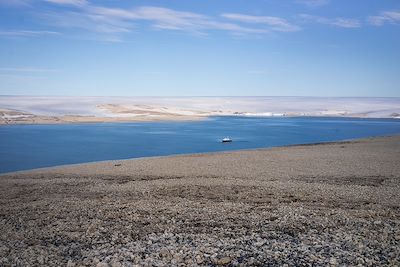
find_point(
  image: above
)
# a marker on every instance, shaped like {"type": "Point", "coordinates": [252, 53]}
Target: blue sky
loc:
{"type": "Point", "coordinates": [200, 48]}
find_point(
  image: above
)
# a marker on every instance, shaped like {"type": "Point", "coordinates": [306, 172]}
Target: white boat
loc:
{"type": "Point", "coordinates": [226, 140]}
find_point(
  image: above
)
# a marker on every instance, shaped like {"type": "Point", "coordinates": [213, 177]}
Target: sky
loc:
{"type": "Point", "coordinates": [200, 48]}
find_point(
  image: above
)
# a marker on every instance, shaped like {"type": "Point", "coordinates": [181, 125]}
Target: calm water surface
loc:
{"type": "Point", "coordinates": [32, 146]}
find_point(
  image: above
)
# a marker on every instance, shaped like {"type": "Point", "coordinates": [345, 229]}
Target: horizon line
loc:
{"type": "Point", "coordinates": [199, 96]}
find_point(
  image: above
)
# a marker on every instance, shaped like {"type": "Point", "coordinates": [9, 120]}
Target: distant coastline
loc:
{"type": "Point", "coordinates": [57, 110]}
{"type": "Point", "coordinates": [43, 120]}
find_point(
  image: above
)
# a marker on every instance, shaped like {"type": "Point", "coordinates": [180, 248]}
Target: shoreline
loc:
{"type": "Point", "coordinates": [53, 110]}
{"type": "Point", "coordinates": [99, 120]}
{"type": "Point", "coordinates": [93, 120]}
{"type": "Point", "coordinates": [341, 142]}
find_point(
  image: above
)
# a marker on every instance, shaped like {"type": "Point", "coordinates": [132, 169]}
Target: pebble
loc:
{"type": "Point", "coordinates": [102, 264]}
{"type": "Point", "coordinates": [165, 253]}
{"type": "Point", "coordinates": [199, 259]}
{"type": "Point", "coordinates": [333, 261]}
{"type": "Point", "coordinates": [115, 263]}
{"type": "Point", "coordinates": [223, 261]}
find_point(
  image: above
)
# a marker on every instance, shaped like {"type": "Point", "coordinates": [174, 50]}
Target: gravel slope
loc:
{"type": "Point", "coordinates": [325, 204]}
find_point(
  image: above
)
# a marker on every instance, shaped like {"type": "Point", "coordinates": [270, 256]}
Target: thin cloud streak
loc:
{"type": "Point", "coordinates": [117, 20]}
{"type": "Point", "coordinates": [69, 2]}
{"type": "Point", "coordinates": [26, 33]}
{"type": "Point", "coordinates": [114, 23]}
{"type": "Point", "coordinates": [338, 22]}
{"type": "Point", "coordinates": [169, 19]}
{"type": "Point", "coordinates": [273, 23]}
{"type": "Point", "coordinates": [391, 17]}
{"type": "Point", "coordinates": [346, 23]}
{"type": "Point", "coordinates": [88, 22]}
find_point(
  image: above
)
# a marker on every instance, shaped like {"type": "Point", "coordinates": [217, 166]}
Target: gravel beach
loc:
{"type": "Point", "coordinates": [331, 204]}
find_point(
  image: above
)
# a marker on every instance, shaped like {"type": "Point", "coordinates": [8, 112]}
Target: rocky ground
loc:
{"type": "Point", "coordinates": [328, 204]}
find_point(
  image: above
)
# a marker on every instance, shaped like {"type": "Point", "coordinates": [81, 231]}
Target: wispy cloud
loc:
{"type": "Point", "coordinates": [272, 23]}
{"type": "Point", "coordinates": [69, 2]}
{"type": "Point", "coordinates": [26, 33]}
{"type": "Point", "coordinates": [168, 19]}
{"type": "Point", "coordinates": [338, 22]}
{"type": "Point", "coordinates": [313, 3]}
{"type": "Point", "coordinates": [111, 20]}
{"type": "Point", "coordinates": [392, 17]}
{"type": "Point", "coordinates": [89, 22]}
{"type": "Point", "coordinates": [346, 23]}
{"type": "Point", "coordinates": [114, 23]}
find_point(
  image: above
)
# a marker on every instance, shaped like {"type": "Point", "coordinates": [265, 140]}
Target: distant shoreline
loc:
{"type": "Point", "coordinates": [52, 120]}
{"type": "Point", "coordinates": [58, 110]}
{"type": "Point", "coordinates": [93, 120]}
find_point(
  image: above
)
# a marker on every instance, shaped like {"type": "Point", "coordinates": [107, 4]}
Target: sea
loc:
{"type": "Point", "coordinates": [24, 147]}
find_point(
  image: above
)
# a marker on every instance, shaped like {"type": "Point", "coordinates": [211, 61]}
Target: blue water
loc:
{"type": "Point", "coordinates": [32, 146]}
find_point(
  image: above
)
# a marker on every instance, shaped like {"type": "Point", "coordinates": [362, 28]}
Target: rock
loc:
{"type": "Point", "coordinates": [333, 261]}
{"type": "Point", "coordinates": [95, 261]}
{"type": "Point", "coordinates": [70, 263]}
{"type": "Point", "coordinates": [4, 251]}
{"type": "Point", "coordinates": [177, 259]}
{"type": "Point", "coordinates": [259, 243]}
{"type": "Point", "coordinates": [91, 229]}
{"type": "Point", "coordinates": [223, 261]}
{"type": "Point", "coordinates": [189, 261]}
{"type": "Point", "coordinates": [41, 260]}
{"type": "Point", "coordinates": [273, 218]}
{"type": "Point", "coordinates": [102, 264]}
{"type": "Point", "coordinates": [116, 263]}
{"type": "Point", "coordinates": [164, 253]}
{"type": "Point", "coordinates": [199, 259]}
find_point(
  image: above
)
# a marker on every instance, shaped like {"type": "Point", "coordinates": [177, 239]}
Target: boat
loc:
{"type": "Point", "coordinates": [226, 140]}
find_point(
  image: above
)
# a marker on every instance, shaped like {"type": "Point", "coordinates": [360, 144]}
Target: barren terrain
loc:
{"type": "Point", "coordinates": [325, 204]}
